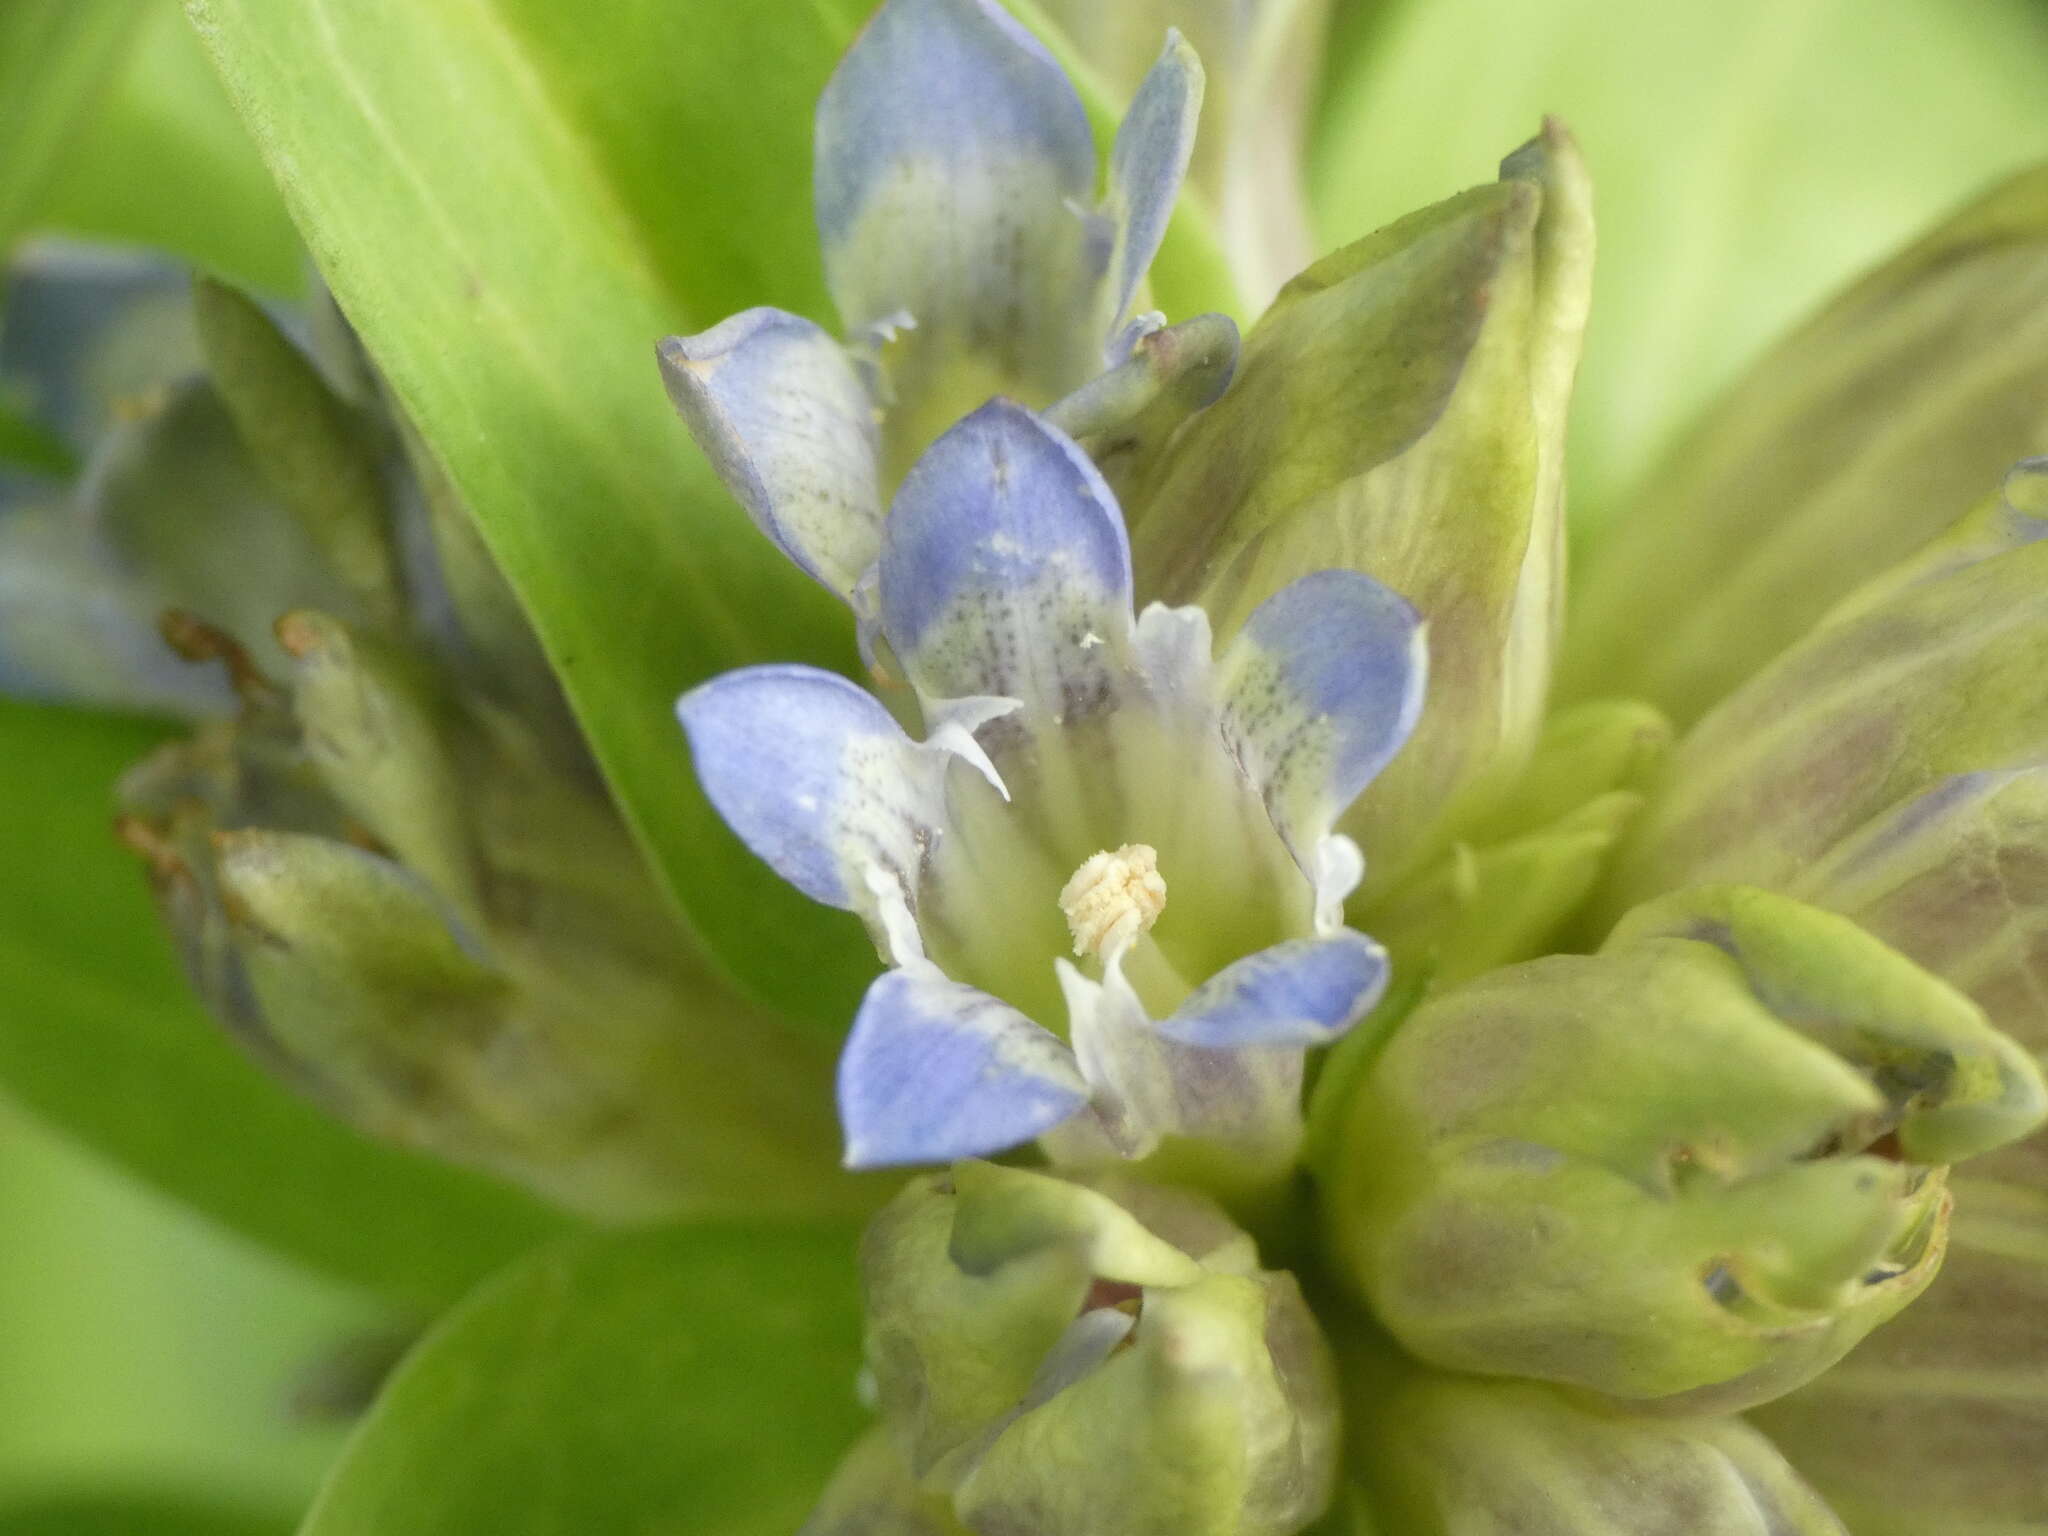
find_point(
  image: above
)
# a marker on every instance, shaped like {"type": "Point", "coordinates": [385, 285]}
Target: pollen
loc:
{"type": "Point", "coordinates": [1113, 898]}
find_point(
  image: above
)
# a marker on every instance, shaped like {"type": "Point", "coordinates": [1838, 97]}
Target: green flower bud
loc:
{"type": "Point", "coordinates": [1124, 417]}
{"type": "Point", "coordinates": [1399, 410]}
{"type": "Point", "coordinates": [406, 908]}
{"type": "Point", "coordinates": [1692, 1170]}
{"type": "Point", "coordinates": [1502, 892]}
{"type": "Point", "coordinates": [1935, 1423]}
{"type": "Point", "coordinates": [335, 944]}
{"type": "Point", "coordinates": [1447, 1455]}
{"type": "Point", "coordinates": [394, 875]}
{"type": "Point", "coordinates": [1860, 436]}
{"type": "Point", "coordinates": [311, 447]}
{"type": "Point", "coordinates": [374, 731]}
{"type": "Point", "coordinates": [1066, 1357]}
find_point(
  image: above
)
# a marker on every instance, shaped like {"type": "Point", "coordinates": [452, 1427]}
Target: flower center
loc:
{"type": "Point", "coordinates": [1113, 898]}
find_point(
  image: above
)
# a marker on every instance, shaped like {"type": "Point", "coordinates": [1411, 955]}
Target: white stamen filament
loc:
{"type": "Point", "coordinates": [1114, 898]}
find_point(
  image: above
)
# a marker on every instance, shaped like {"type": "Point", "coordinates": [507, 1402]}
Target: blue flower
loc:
{"type": "Point", "coordinates": [968, 258]}
{"type": "Point", "coordinates": [1105, 880]}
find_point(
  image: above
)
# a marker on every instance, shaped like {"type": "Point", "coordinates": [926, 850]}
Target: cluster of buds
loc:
{"type": "Point", "coordinates": [1600, 1070]}
{"type": "Point", "coordinates": [1690, 1171]}
{"type": "Point", "coordinates": [1574, 1211]}
{"type": "Point", "coordinates": [387, 862]}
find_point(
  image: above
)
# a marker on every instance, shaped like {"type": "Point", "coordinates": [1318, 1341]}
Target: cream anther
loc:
{"type": "Point", "coordinates": [1113, 898]}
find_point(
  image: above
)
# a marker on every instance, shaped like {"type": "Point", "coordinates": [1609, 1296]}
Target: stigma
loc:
{"type": "Point", "coordinates": [1114, 898]}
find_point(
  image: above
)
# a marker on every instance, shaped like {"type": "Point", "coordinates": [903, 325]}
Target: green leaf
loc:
{"type": "Point", "coordinates": [99, 1035]}
{"type": "Point", "coordinates": [1749, 156]}
{"type": "Point", "coordinates": [162, 161]}
{"type": "Point", "coordinates": [695, 1381]}
{"type": "Point", "coordinates": [113, 1514]}
{"type": "Point", "coordinates": [56, 58]}
{"type": "Point", "coordinates": [512, 202]}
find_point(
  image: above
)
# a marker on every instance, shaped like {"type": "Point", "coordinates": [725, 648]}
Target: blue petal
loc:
{"type": "Point", "coordinates": [1005, 569]}
{"type": "Point", "coordinates": [935, 1071]}
{"type": "Point", "coordinates": [1153, 146]}
{"type": "Point", "coordinates": [952, 161]}
{"type": "Point", "coordinates": [1320, 690]}
{"type": "Point", "coordinates": [816, 778]}
{"type": "Point", "coordinates": [776, 405]}
{"type": "Point", "coordinates": [1304, 992]}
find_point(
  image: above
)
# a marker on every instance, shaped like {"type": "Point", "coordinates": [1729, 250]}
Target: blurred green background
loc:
{"type": "Point", "coordinates": [1750, 155]}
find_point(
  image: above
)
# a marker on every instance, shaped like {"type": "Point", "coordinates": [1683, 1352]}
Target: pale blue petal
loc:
{"type": "Point", "coordinates": [817, 778]}
{"type": "Point", "coordinates": [934, 1071]}
{"type": "Point", "coordinates": [1304, 992]}
{"type": "Point", "coordinates": [1005, 569]}
{"type": "Point", "coordinates": [1320, 689]}
{"type": "Point", "coordinates": [1153, 146]}
{"type": "Point", "coordinates": [778, 408]}
{"type": "Point", "coordinates": [953, 162]}
{"type": "Point", "coordinates": [1149, 1086]}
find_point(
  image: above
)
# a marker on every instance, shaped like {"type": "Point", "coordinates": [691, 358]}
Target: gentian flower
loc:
{"type": "Point", "coordinates": [954, 176]}
{"type": "Point", "coordinates": [1091, 780]}
{"type": "Point", "coordinates": [1682, 1174]}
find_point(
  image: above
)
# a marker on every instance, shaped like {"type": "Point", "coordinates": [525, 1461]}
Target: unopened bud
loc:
{"type": "Point", "coordinates": [1066, 1359]}
{"type": "Point", "coordinates": [375, 729]}
{"type": "Point", "coordinates": [1692, 1170]}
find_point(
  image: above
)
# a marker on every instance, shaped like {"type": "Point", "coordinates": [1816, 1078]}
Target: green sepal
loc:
{"type": "Point", "coordinates": [1481, 907]}
{"type": "Point", "coordinates": [1590, 750]}
{"type": "Point", "coordinates": [312, 449]}
{"type": "Point", "coordinates": [374, 729]}
{"type": "Point", "coordinates": [951, 1350]}
{"type": "Point", "coordinates": [303, 854]}
{"type": "Point", "coordinates": [186, 519]}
